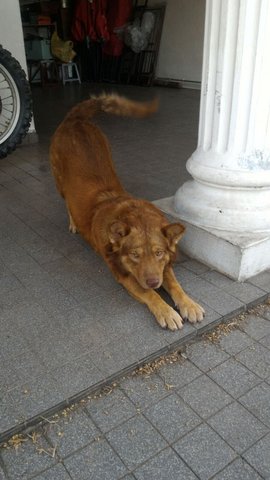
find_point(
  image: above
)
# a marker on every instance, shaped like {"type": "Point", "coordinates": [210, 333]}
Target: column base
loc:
{"type": "Point", "coordinates": [240, 256]}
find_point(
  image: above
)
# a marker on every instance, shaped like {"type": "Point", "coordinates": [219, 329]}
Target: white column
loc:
{"type": "Point", "coordinates": [227, 204]}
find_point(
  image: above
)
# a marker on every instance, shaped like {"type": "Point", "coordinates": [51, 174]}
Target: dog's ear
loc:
{"type": "Point", "coordinates": [117, 231]}
{"type": "Point", "coordinates": [173, 232]}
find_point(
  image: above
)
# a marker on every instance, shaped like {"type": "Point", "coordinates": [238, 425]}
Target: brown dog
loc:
{"type": "Point", "coordinates": [132, 235]}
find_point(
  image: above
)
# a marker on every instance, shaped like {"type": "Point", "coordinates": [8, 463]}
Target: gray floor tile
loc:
{"type": "Point", "coordinates": [204, 396]}
{"type": "Point", "coordinates": [164, 466]}
{"type": "Point", "coordinates": [38, 394]}
{"type": "Point", "coordinates": [204, 452]}
{"type": "Point", "coordinates": [144, 390]}
{"type": "Point", "coordinates": [71, 432]}
{"type": "Point", "coordinates": [238, 470]}
{"type": "Point", "coordinates": [27, 461]}
{"type": "Point", "coordinates": [196, 267]}
{"type": "Point", "coordinates": [56, 473]}
{"type": "Point", "coordinates": [257, 401]}
{"type": "Point", "coordinates": [257, 359]}
{"type": "Point", "coordinates": [217, 279]}
{"type": "Point", "coordinates": [95, 462]}
{"type": "Point", "coordinates": [210, 318]}
{"type": "Point", "coordinates": [216, 298]}
{"type": "Point", "coordinates": [266, 312]}
{"type": "Point", "coordinates": [136, 441]}
{"type": "Point", "coordinates": [172, 417]}
{"type": "Point", "coordinates": [10, 416]}
{"type": "Point", "coordinates": [262, 280]}
{"type": "Point", "coordinates": [2, 475]}
{"type": "Point", "coordinates": [238, 427]}
{"type": "Point", "coordinates": [265, 341]}
{"type": "Point", "coordinates": [110, 410]}
{"type": "Point", "coordinates": [255, 326]}
{"type": "Point", "coordinates": [178, 374]}
{"type": "Point", "coordinates": [234, 377]}
{"type": "Point", "coordinates": [77, 376]}
{"type": "Point", "coordinates": [258, 456]}
{"type": "Point", "coordinates": [205, 355]}
{"type": "Point", "coordinates": [235, 342]}
{"type": "Point", "coordinates": [245, 292]}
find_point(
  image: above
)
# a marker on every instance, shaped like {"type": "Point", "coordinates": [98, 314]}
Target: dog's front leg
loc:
{"type": "Point", "coordinates": [187, 307]}
{"type": "Point", "coordinates": [165, 315]}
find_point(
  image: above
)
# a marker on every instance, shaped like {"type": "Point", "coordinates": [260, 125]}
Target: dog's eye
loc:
{"type": "Point", "coordinates": [159, 253]}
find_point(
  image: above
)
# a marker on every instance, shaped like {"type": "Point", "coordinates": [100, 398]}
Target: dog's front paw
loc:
{"type": "Point", "coordinates": [190, 310]}
{"type": "Point", "coordinates": [167, 317]}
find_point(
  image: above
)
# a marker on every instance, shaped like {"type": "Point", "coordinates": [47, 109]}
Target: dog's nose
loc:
{"type": "Point", "coordinates": [152, 282]}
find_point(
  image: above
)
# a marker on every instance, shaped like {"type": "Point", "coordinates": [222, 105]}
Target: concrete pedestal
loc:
{"type": "Point", "coordinates": [227, 204]}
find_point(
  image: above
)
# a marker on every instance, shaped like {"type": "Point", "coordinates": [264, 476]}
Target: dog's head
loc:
{"type": "Point", "coordinates": [144, 252]}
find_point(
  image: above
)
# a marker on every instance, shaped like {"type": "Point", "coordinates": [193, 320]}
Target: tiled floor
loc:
{"type": "Point", "coordinates": [66, 326]}
{"type": "Point", "coordinates": [199, 413]}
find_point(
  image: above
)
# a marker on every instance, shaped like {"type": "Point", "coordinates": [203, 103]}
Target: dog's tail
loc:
{"type": "Point", "coordinates": [114, 104]}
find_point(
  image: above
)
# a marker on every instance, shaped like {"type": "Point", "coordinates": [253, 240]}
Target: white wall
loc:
{"type": "Point", "coordinates": [11, 34]}
{"type": "Point", "coordinates": [181, 48]}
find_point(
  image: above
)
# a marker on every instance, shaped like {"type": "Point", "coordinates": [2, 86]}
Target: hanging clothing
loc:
{"type": "Point", "coordinates": [90, 20]}
{"type": "Point", "coordinates": [118, 15]}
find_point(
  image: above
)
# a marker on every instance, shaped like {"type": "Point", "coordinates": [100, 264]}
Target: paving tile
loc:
{"type": "Point", "coordinates": [257, 359]}
{"type": "Point", "coordinates": [210, 318]}
{"type": "Point", "coordinates": [2, 475]}
{"type": "Point", "coordinates": [71, 432]}
{"type": "Point", "coordinates": [239, 470]}
{"type": "Point", "coordinates": [235, 341]}
{"type": "Point", "coordinates": [205, 355]}
{"type": "Point", "coordinates": [110, 410]}
{"type": "Point", "coordinates": [257, 401]}
{"type": "Point", "coordinates": [179, 373]}
{"type": "Point", "coordinates": [9, 378]}
{"type": "Point", "coordinates": [36, 395]}
{"type": "Point", "coordinates": [27, 461]}
{"type": "Point", "coordinates": [172, 417]}
{"type": "Point", "coordinates": [164, 466]}
{"type": "Point", "coordinates": [55, 473]}
{"type": "Point", "coordinates": [265, 341]}
{"type": "Point", "coordinates": [245, 292]}
{"type": "Point", "coordinates": [204, 396]}
{"type": "Point", "coordinates": [9, 415]}
{"type": "Point", "coordinates": [234, 377]}
{"type": "Point", "coordinates": [77, 376]}
{"type": "Point", "coordinates": [144, 391]}
{"type": "Point", "coordinates": [255, 326]}
{"type": "Point", "coordinates": [258, 456]}
{"type": "Point", "coordinates": [196, 267]}
{"type": "Point", "coordinates": [95, 462]}
{"type": "Point", "coordinates": [262, 280]}
{"type": "Point", "coordinates": [238, 427]}
{"type": "Point", "coordinates": [266, 312]}
{"type": "Point", "coordinates": [136, 441]}
{"type": "Point", "coordinates": [217, 279]}
{"type": "Point", "coordinates": [216, 298]}
{"type": "Point", "coordinates": [204, 452]}
{"type": "Point", "coordinates": [8, 283]}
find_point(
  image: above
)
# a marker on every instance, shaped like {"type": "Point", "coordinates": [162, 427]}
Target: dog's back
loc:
{"type": "Point", "coordinates": [80, 153]}
{"type": "Point", "coordinates": [81, 157]}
